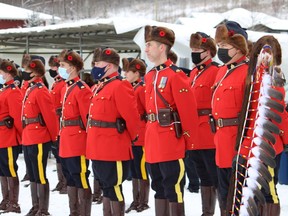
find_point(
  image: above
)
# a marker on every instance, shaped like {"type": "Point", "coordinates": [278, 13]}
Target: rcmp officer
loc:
{"type": "Point", "coordinates": [112, 125]}
{"type": "Point", "coordinates": [75, 101]}
{"type": "Point", "coordinates": [168, 97]}
{"type": "Point", "coordinates": [55, 92]}
{"type": "Point", "coordinates": [40, 129]}
{"type": "Point", "coordinates": [227, 99]}
{"type": "Point", "coordinates": [202, 78]}
{"type": "Point", "coordinates": [10, 137]}
{"type": "Point", "coordinates": [135, 70]}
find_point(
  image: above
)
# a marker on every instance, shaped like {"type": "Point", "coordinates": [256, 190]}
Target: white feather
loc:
{"type": "Point", "coordinates": [252, 183]}
{"type": "Point", "coordinates": [259, 131]}
{"type": "Point", "coordinates": [266, 79]}
{"type": "Point", "coordinates": [256, 151]}
{"type": "Point", "coordinates": [247, 193]}
{"type": "Point", "coordinates": [253, 173]}
{"type": "Point", "coordinates": [243, 210]}
{"type": "Point", "coordinates": [257, 140]}
{"type": "Point", "coordinates": [254, 162]}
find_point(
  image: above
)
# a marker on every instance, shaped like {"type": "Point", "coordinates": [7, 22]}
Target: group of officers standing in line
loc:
{"type": "Point", "coordinates": [125, 124]}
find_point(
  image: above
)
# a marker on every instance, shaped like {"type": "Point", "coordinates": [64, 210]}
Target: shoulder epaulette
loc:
{"type": "Point", "coordinates": [13, 86]}
{"type": "Point", "coordinates": [175, 68]}
{"type": "Point", "coordinates": [39, 85]}
{"type": "Point", "coordinates": [215, 64]}
{"type": "Point", "coordinates": [80, 85]}
{"type": "Point", "coordinates": [120, 78]}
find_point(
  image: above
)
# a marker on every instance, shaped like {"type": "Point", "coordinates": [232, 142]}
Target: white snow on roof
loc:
{"type": "Point", "coordinates": [9, 12]}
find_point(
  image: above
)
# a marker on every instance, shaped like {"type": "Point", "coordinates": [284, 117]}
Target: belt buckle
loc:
{"type": "Point", "coordinates": [152, 117]}
{"type": "Point", "coordinates": [89, 122]}
{"type": "Point", "coordinates": [63, 123]}
{"type": "Point", "coordinates": [220, 122]}
{"type": "Point", "coordinates": [26, 121]}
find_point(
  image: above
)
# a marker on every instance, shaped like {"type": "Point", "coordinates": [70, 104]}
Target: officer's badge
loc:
{"type": "Point", "coordinates": [163, 82]}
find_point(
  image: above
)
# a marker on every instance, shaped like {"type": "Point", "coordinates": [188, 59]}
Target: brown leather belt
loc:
{"type": "Point", "coordinates": [27, 121]}
{"type": "Point", "coordinates": [227, 122]}
{"type": "Point", "coordinates": [101, 124]}
{"type": "Point", "coordinates": [203, 112]}
{"type": "Point", "coordinates": [59, 111]}
{"type": "Point", "coordinates": [74, 122]}
{"type": "Point", "coordinates": [151, 117]}
{"type": "Point", "coordinates": [144, 117]}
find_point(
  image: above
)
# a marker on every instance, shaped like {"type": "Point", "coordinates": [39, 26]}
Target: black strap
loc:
{"type": "Point", "coordinates": [197, 76]}
{"type": "Point", "coordinates": [68, 92]}
{"type": "Point", "coordinates": [141, 83]}
{"type": "Point", "coordinates": [31, 89]}
{"type": "Point", "coordinates": [163, 99]}
{"type": "Point", "coordinates": [236, 66]}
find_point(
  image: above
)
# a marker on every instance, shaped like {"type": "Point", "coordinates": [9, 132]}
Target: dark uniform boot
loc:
{"type": "Point", "coordinates": [161, 207]}
{"type": "Point", "coordinates": [13, 205]}
{"type": "Point", "coordinates": [35, 200]}
{"type": "Point", "coordinates": [273, 209]}
{"type": "Point", "coordinates": [106, 207]}
{"type": "Point", "coordinates": [143, 195]}
{"type": "Point", "coordinates": [85, 201]}
{"type": "Point", "coordinates": [135, 192]}
{"type": "Point", "coordinates": [97, 195]}
{"type": "Point", "coordinates": [73, 201]}
{"type": "Point", "coordinates": [208, 196]}
{"type": "Point", "coordinates": [43, 190]}
{"type": "Point", "coordinates": [117, 208]}
{"type": "Point", "coordinates": [176, 209]}
{"type": "Point", "coordinates": [5, 193]}
{"type": "Point", "coordinates": [62, 184]}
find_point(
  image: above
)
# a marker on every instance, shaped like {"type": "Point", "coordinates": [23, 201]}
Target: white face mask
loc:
{"type": "Point", "coordinates": [2, 80]}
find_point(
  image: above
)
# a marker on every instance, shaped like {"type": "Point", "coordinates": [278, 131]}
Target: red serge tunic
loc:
{"type": "Point", "coordinates": [227, 103]}
{"type": "Point", "coordinates": [139, 89]}
{"type": "Point", "coordinates": [114, 98]}
{"type": "Point", "coordinates": [10, 105]}
{"type": "Point", "coordinates": [75, 104]}
{"type": "Point", "coordinates": [161, 143]}
{"type": "Point", "coordinates": [202, 79]}
{"type": "Point", "coordinates": [38, 100]}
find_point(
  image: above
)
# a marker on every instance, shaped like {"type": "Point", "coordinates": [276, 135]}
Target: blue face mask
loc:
{"type": "Point", "coordinates": [2, 81]}
{"type": "Point", "coordinates": [98, 72]}
{"type": "Point", "coordinates": [63, 73]}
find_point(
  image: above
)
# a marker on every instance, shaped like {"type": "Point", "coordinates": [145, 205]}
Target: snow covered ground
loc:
{"type": "Point", "coordinates": [59, 203]}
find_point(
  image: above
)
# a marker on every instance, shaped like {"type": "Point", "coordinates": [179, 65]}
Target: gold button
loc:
{"type": "Point", "coordinates": [221, 84]}
{"type": "Point", "coordinates": [230, 87]}
{"type": "Point", "coordinates": [150, 98]}
{"type": "Point", "coordinates": [218, 99]}
{"type": "Point", "coordinates": [150, 111]}
{"type": "Point", "coordinates": [171, 128]}
{"type": "Point", "coordinates": [69, 102]}
{"type": "Point", "coordinates": [161, 90]}
{"type": "Point", "coordinates": [79, 131]}
{"type": "Point", "coordinates": [216, 113]}
{"type": "Point", "coordinates": [201, 85]}
{"type": "Point", "coordinates": [102, 98]}
{"type": "Point", "coordinates": [90, 115]}
{"type": "Point", "coordinates": [36, 127]}
{"type": "Point", "coordinates": [91, 104]}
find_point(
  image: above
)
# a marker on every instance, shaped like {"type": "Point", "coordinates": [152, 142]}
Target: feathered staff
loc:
{"type": "Point", "coordinates": [256, 133]}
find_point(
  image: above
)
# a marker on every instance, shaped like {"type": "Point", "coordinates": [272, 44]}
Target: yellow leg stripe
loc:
{"type": "Point", "coordinates": [83, 172]}
{"type": "Point", "coordinates": [142, 166]}
{"type": "Point", "coordinates": [119, 180]}
{"type": "Point", "coordinates": [272, 187]}
{"type": "Point", "coordinates": [40, 164]}
{"type": "Point", "coordinates": [177, 186]}
{"type": "Point", "coordinates": [11, 162]}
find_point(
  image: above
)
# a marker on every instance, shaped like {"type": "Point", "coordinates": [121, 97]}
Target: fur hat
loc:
{"type": "Point", "coordinates": [134, 65]}
{"type": "Point", "coordinates": [201, 40]}
{"type": "Point", "coordinates": [72, 58]}
{"type": "Point", "coordinates": [172, 56]}
{"type": "Point", "coordinates": [37, 67]}
{"type": "Point", "coordinates": [232, 33]}
{"type": "Point", "coordinates": [108, 55]}
{"type": "Point", "coordinates": [54, 61]}
{"type": "Point", "coordinates": [160, 34]}
{"type": "Point", "coordinates": [8, 67]}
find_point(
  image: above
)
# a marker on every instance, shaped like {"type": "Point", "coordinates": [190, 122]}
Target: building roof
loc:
{"type": "Point", "coordinates": [10, 12]}
{"type": "Point", "coordinates": [83, 34]}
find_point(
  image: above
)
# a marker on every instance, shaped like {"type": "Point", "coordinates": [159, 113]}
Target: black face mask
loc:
{"type": "Point", "coordinates": [53, 73]}
{"type": "Point", "coordinates": [223, 55]}
{"type": "Point", "coordinates": [196, 57]}
{"type": "Point", "coordinates": [26, 76]}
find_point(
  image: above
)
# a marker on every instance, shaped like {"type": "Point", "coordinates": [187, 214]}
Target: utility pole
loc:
{"type": "Point", "coordinates": [156, 9]}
